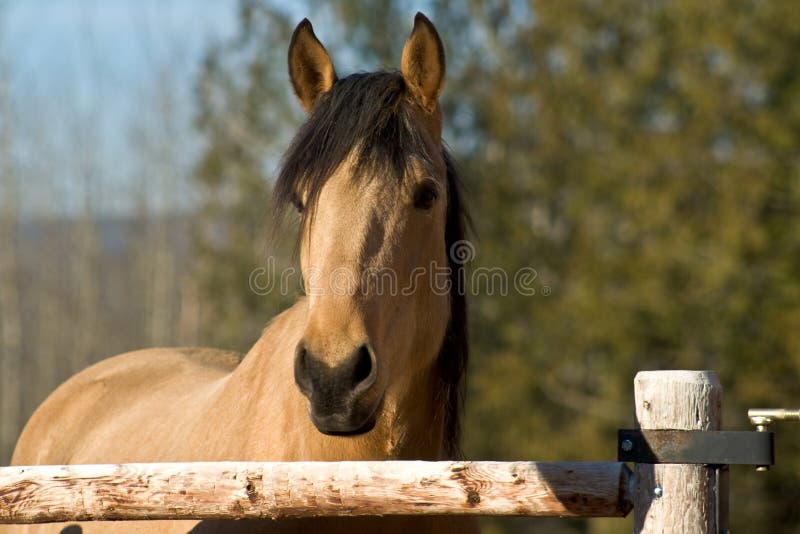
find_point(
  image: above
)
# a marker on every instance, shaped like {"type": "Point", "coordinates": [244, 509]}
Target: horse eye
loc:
{"type": "Point", "coordinates": [424, 196]}
{"type": "Point", "coordinates": [298, 204]}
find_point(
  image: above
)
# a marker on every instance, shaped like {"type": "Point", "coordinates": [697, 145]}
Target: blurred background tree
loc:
{"type": "Point", "coordinates": [642, 157]}
{"type": "Point", "coordinates": [245, 113]}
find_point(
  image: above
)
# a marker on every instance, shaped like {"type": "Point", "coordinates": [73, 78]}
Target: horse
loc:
{"type": "Point", "coordinates": [351, 371]}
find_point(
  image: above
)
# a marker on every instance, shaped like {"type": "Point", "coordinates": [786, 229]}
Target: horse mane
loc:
{"type": "Point", "coordinates": [454, 353]}
{"type": "Point", "coordinates": [368, 117]}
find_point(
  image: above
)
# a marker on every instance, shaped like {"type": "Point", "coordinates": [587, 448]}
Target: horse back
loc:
{"type": "Point", "coordinates": [112, 411]}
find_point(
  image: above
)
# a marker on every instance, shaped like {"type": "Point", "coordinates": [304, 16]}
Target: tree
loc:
{"type": "Point", "coordinates": [637, 155]}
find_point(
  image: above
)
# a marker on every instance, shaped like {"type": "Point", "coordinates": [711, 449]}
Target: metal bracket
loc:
{"type": "Point", "coordinates": [695, 447]}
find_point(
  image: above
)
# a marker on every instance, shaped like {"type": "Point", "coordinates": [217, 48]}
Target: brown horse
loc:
{"type": "Point", "coordinates": [352, 371]}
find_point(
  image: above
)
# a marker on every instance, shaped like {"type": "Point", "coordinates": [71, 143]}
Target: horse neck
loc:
{"type": "Point", "coordinates": [270, 417]}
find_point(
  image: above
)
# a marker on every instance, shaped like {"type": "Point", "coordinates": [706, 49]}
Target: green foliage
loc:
{"type": "Point", "coordinates": [642, 157]}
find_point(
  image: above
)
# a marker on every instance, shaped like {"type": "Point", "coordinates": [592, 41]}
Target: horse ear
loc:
{"type": "Point", "coordinates": [422, 64]}
{"type": "Point", "coordinates": [310, 66]}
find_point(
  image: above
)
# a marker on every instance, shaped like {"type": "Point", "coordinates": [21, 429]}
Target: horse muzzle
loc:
{"type": "Point", "coordinates": [342, 399]}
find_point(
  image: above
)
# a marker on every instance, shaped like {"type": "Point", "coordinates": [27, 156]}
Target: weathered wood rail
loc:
{"type": "Point", "coordinates": [674, 498]}
{"type": "Point", "coordinates": [238, 490]}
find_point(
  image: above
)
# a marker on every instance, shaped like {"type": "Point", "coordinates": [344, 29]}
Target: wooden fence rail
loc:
{"type": "Point", "coordinates": [239, 490]}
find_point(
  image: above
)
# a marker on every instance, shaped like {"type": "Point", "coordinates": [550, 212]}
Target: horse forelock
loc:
{"type": "Point", "coordinates": [365, 119]}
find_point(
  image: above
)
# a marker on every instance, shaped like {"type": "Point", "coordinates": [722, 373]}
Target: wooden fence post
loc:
{"type": "Point", "coordinates": [678, 498]}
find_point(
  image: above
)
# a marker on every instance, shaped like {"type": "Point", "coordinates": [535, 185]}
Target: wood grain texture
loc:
{"type": "Point", "coordinates": [676, 400]}
{"type": "Point", "coordinates": [238, 490]}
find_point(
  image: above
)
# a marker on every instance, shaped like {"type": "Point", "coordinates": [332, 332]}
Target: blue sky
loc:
{"type": "Point", "coordinates": [82, 76]}
{"type": "Point", "coordinates": [49, 39]}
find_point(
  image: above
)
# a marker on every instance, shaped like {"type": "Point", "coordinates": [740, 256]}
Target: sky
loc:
{"type": "Point", "coordinates": [53, 42]}
{"type": "Point", "coordinates": [82, 77]}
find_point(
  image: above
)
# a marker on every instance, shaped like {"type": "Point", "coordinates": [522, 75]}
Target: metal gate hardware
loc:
{"type": "Point", "coordinates": [696, 447]}
{"type": "Point", "coordinates": [762, 418]}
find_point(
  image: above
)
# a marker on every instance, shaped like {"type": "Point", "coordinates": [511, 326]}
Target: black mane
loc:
{"type": "Point", "coordinates": [368, 116]}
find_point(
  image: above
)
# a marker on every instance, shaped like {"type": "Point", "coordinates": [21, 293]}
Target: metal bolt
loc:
{"type": "Point", "coordinates": [658, 492]}
{"type": "Point", "coordinates": [626, 445]}
{"type": "Point", "coordinates": [762, 419]}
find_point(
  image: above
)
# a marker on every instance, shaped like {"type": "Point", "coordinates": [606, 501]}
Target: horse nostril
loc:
{"type": "Point", "coordinates": [301, 376]}
{"type": "Point", "coordinates": [364, 369]}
